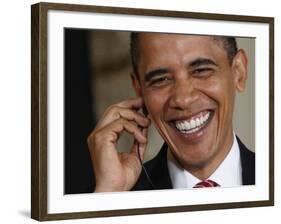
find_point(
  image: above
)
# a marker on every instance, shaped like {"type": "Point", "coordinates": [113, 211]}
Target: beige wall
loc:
{"type": "Point", "coordinates": [244, 114]}
{"type": "Point", "coordinates": [111, 66]}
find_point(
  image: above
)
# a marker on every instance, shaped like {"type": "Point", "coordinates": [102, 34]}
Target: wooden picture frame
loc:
{"type": "Point", "coordinates": [41, 181]}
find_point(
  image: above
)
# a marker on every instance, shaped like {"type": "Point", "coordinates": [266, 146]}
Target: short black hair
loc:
{"type": "Point", "coordinates": [228, 43]}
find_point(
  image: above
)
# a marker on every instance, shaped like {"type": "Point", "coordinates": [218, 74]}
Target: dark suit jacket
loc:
{"type": "Point", "coordinates": [157, 170]}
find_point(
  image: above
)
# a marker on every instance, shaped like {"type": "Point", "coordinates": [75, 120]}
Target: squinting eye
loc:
{"type": "Point", "coordinates": [202, 71]}
{"type": "Point", "coordinates": [160, 81]}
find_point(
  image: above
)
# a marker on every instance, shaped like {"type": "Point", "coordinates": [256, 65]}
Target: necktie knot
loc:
{"type": "Point", "coordinates": [206, 183]}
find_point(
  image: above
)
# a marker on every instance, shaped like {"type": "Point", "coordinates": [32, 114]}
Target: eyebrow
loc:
{"type": "Point", "coordinates": [154, 73]}
{"type": "Point", "coordinates": [201, 61]}
{"type": "Point", "coordinates": [195, 63]}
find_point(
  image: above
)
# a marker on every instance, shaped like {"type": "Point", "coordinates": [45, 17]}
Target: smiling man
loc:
{"type": "Point", "coordinates": [186, 84]}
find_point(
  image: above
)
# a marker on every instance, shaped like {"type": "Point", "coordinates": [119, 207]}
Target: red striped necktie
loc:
{"type": "Point", "coordinates": [206, 183]}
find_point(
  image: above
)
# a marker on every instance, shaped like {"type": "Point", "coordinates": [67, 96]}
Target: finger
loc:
{"type": "Point", "coordinates": [117, 112]}
{"type": "Point", "coordinates": [139, 148]}
{"type": "Point", "coordinates": [115, 128]}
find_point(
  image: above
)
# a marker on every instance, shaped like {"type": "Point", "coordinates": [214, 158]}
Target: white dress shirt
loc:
{"type": "Point", "coordinates": [228, 174]}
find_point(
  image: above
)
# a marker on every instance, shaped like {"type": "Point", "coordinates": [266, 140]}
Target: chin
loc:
{"type": "Point", "coordinates": [193, 139]}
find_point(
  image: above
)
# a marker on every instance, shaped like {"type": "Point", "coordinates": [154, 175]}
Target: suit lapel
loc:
{"type": "Point", "coordinates": [247, 163]}
{"type": "Point", "coordinates": [160, 174]}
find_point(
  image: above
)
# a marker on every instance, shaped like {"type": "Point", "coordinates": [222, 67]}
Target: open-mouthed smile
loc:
{"type": "Point", "coordinates": [193, 124]}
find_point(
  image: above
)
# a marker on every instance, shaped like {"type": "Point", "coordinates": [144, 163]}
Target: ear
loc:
{"type": "Point", "coordinates": [136, 84]}
{"type": "Point", "coordinates": [240, 70]}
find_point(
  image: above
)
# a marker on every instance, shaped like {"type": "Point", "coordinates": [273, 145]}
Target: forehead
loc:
{"type": "Point", "coordinates": [156, 49]}
{"type": "Point", "coordinates": [158, 40]}
{"type": "Point", "coordinates": [169, 36]}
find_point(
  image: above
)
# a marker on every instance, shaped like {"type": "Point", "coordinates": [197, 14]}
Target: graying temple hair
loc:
{"type": "Point", "coordinates": [228, 43]}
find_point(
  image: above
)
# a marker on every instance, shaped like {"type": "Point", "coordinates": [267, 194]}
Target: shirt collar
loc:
{"type": "Point", "coordinates": [228, 174]}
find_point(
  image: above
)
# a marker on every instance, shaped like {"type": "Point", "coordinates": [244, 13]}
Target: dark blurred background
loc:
{"type": "Point", "coordinates": [78, 113]}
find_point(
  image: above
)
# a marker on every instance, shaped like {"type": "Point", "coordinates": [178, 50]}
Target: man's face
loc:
{"type": "Point", "coordinates": [188, 86]}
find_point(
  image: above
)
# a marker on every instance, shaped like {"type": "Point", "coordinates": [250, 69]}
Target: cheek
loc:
{"type": "Point", "coordinates": [221, 90]}
{"type": "Point", "coordinates": [155, 102]}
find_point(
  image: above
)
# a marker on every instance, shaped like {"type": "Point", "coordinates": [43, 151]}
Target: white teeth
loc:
{"type": "Point", "coordinates": [181, 125]}
{"type": "Point", "coordinates": [198, 122]}
{"type": "Point", "coordinates": [192, 125]}
{"type": "Point", "coordinates": [187, 125]}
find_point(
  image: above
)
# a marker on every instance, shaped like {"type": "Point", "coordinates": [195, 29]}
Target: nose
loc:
{"type": "Point", "coordinates": [184, 94]}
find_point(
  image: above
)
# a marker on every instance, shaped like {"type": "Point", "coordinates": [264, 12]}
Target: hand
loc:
{"type": "Point", "coordinates": [118, 171]}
